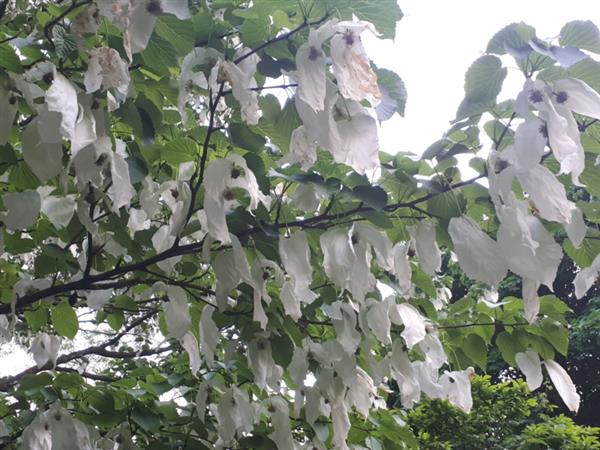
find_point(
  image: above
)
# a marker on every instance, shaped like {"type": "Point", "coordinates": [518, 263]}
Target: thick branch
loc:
{"type": "Point", "coordinates": [7, 382]}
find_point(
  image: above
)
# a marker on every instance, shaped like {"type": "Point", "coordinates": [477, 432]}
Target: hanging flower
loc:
{"type": "Point", "coordinates": [106, 70]}
{"type": "Point", "coordinates": [223, 175]}
{"type": "Point", "coordinates": [351, 66]}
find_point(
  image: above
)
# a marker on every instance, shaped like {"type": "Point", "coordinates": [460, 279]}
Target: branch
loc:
{"type": "Point", "coordinates": [48, 27]}
{"type": "Point", "coordinates": [484, 324]}
{"type": "Point", "coordinates": [262, 88]}
{"type": "Point", "coordinates": [281, 37]}
{"type": "Point", "coordinates": [7, 382]}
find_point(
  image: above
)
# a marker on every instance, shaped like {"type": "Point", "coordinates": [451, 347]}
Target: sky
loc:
{"type": "Point", "coordinates": [436, 42]}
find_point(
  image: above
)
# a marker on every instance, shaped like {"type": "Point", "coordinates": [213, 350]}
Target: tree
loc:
{"type": "Point", "coordinates": [504, 416]}
{"type": "Point", "coordinates": [198, 225]}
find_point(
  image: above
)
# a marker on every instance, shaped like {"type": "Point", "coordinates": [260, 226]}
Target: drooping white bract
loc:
{"type": "Point", "coordinates": [97, 163]}
{"type": "Point", "coordinates": [223, 175]}
{"type": "Point", "coordinates": [261, 271]}
{"type": "Point", "coordinates": [478, 254]}
{"type": "Point", "coordinates": [137, 18]}
{"type": "Point", "coordinates": [563, 384]}
{"type": "Point", "coordinates": [586, 278]}
{"type": "Point", "coordinates": [351, 66]}
{"type": "Point", "coordinates": [190, 345]}
{"type": "Point", "coordinates": [278, 412]}
{"type": "Point", "coordinates": [42, 145]}
{"type": "Point", "coordinates": [320, 126]}
{"type": "Point", "coordinates": [457, 386]}
{"type": "Point", "coordinates": [61, 97]}
{"type": "Point", "coordinates": [378, 319]}
{"type": "Point", "coordinates": [209, 335]}
{"type": "Point", "coordinates": [556, 104]}
{"type": "Point", "coordinates": [531, 300]}
{"type": "Point", "coordinates": [428, 252]}
{"type": "Point", "coordinates": [295, 256]}
{"type": "Point", "coordinates": [361, 393]}
{"type": "Point", "coordinates": [547, 194]}
{"type": "Point", "coordinates": [96, 299]}
{"type": "Point", "coordinates": [44, 348]}
{"type": "Point", "coordinates": [403, 372]}
{"type": "Point", "coordinates": [432, 348]}
{"type": "Point", "coordinates": [230, 267]}
{"type": "Point", "coordinates": [22, 209]}
{"type": "Point", "coordinates": [414, 324]}
{"type": "Point", "coordinates": [303, 150]}
{"type": "Point", "coordinates": [260, 360]}
{"type": "Point", "coordinates": [347, 257]}
{"type": "Point", "coordinates": [311, 72]}
{"type": "Point", "coordinates": [344, 128]}
{"type": "Point", "coordinates": [343, 318]}
{"type": "Point", "coordinates": [358, 146]}
{"type": "Point", "coordinates": [529, 363]}
{"type": "Point", "coordinates": [85, 128]}
{"type": "Point", "coordinates": [529, 250]}
{"type": "Point", "coordinates": [235, 414]}
{"type": "Point", "coordinates": [401, 267]}
{"type": "Point", "coordinates": [56, 429]}
{"type": "Point", "coordinates": [121, 190]}
{"type": "Point", "coordinates": [177, 310]}
{"type": "Point", "coordinates": [529, 144]}
{"type": "Point", "coordinates": [106, 70]}
{"type": "Point", "coordinates": [193, 74]}
{"type": "Point", "coordinates": [241, 78]}
{"type": "Point", "coordinates": [9, 104]}
{"type": "Point", "coordinates": [37, 435]}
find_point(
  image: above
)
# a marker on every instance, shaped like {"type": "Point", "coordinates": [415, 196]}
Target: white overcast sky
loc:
{"type": "Point", "coordinates": [437, 40]}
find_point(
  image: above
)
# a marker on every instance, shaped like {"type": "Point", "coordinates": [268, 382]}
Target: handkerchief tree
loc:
{"type": "Point", "coordinates": [203, 245]}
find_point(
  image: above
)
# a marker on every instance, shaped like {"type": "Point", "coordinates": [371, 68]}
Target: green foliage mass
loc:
{"type": "Point", "coordinates": [505, 416]}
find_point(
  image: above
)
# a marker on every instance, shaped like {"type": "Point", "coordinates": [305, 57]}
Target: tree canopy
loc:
{"type": "Point", "coordinates": [203, 245]}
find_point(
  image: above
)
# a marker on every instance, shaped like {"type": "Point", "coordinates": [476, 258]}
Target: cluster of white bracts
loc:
{"type": "Point", "coordinates": [332, 115]}
{"type": "Point", "coordinates": [523, 245]}
{"type": "Point", "coordinates": [56, 429]}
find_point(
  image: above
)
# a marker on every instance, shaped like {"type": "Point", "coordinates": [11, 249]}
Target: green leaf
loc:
{"type": "Point", "coordinates": [483, 80]}
{"type": "Point", "coordinates": [179, 33]}
{"type": "Point", "coordinates": [37, 316]}
{"type": "Point", "coordinates": [179, 150]}
{"type": "Point", "coordinates": [282, 349]}
{"type": "Point", "coordinates": [9, 59]}
{"type": "Point", "coordinates": [146, 418]}
{"type": "Point", "coordinates": [512, 37]}
{"type": "Point", "coordinates": [39, 380]}
{"type": "Point", "coordinates": [243, 137]}
{"type": "Point", "coordinates": [556, 334]}
{"type": "Point", "coordinates": [508, 347]}
{"type": "Point", "coordinates": [582, 34]}
{"type": "Point", "coordinates": [384, 14]}
{"type": "Point", "coordinates": [584, 255]}
{"type": "Point", "coordinates": [64, 320]}
{"type": "Point", "coordinates": [373, 196]}
{"type": "Point", "coordinates": [63, 41]}
{"type": "Point", "coordinates": [587, 70]}
{"type": "Point", "coordinates": [377, 218]}
{"type": "Point", "coordinates": [447, 205]}
{"type": "Point", "coordinates": [159, 55]}
{"type": "Point", "coordinates": [257, 442]}
{"type": "Point", "coordinates": [476, 350]}
{"type": "Point", "coordinates": [279, 125]}
{"type": "Point", "coordinates": [393, 92]}
{"type": "Point", "coordinates": [423, 282]}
